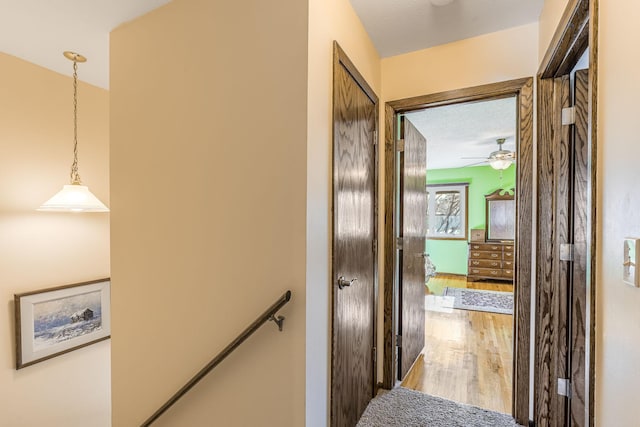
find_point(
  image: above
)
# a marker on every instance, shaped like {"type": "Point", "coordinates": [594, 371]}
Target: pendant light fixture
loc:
{"type": "Point", "coordinates": [74, 197]}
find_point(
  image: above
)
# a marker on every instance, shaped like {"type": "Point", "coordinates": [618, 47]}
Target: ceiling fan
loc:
{"type": "Point", "coordinates": [499, 159]}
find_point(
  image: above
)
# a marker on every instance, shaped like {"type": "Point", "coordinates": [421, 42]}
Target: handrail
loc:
{"type": "Point", "coordinates": [269, 315]}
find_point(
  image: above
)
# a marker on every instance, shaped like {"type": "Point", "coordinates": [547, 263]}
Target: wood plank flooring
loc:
{"type": "Point", "coordinates": [468, 355]}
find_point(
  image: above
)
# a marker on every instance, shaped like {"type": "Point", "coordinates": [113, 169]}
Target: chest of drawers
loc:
{"type": "Point", "coordinates": [491, 260]}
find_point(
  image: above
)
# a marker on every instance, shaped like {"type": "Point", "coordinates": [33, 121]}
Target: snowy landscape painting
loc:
{"type": "Point", "coordinates": [66, 318]}
{"type": "Point", "coordinates": [57, 320]}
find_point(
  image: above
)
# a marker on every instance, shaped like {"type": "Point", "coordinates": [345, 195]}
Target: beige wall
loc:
{"type": "Point", "coordinates": [552, 11]}
{"type": "Point", "coordinates": [43, 249]}
{"type": "Point", "coordinates": [329, 20]}
{"type": "Point", "coordinates": [489, 58]}
{"type": "Point", "coordinates": [208, 150]}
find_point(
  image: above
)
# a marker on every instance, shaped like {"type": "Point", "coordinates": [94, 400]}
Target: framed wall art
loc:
{"type": "Point", "coordinates": [54, 321]}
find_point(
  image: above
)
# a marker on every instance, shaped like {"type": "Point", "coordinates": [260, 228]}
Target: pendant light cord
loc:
{"type": "Point", "coordinates": [75, 176]}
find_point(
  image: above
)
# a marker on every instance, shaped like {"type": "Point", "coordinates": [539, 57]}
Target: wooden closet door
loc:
{"type": "Point", "coordinates": [354, 264]}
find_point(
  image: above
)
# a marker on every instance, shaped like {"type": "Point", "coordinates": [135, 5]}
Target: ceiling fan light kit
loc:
{"type": "Point", "coordinates": [500, 164]}
{"type": "Point", "coordinates": [74, 197]}
{"type": "Point", "coordinates": [501, 159]}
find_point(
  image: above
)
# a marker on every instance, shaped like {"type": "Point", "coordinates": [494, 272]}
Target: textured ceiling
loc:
{"type": "Point", "coordinates": [397, 27]}
{"type": "Point", "coordinates": [39, 31]}
{"type": "Point", "coordinates": [465, 130]}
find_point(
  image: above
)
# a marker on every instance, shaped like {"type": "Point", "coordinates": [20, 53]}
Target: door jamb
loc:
{"type": "Point", "coordinates": [577, 29]}
{"type": "Point", "coordinates": [523, 90]}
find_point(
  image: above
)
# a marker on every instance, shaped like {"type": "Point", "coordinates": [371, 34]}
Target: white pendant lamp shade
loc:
{"type": "Point", "coordinates": [500, 164]}
{"type": "Point", "coordinates": [74, 198]}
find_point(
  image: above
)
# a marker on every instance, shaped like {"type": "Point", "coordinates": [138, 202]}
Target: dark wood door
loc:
{"type": "Point", "coordinates": [413, 226]}
{"type": "Point", "coordinates": [550, 408]}
{"type": "Point", "coordinates": [578, 297]}
{"type": "Point", "coordinates": [354, 261]}
{"type": "Point", "coordinates": [561, 313]}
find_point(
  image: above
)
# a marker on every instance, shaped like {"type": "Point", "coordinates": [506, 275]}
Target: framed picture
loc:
{"type": "Point", "coordinates": [54, 321]}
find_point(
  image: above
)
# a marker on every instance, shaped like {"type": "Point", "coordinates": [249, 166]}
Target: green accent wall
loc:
{"type": "Point", "coordinates": [450, 256]}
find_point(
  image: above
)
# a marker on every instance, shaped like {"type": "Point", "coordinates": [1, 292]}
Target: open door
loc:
{"type": "Point", "coordinates": [561, 349]}
{"type": "Point", "coordinates": [551, 349]}
{"type": "Point", "coordinates": [411, 247]}
{"type": "Point", "coordinates": [354, 267]}
{"type": "Point", "coordinates": [578, 298]}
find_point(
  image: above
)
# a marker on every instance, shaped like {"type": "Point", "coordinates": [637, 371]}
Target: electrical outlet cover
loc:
{"type": "Point", "coordinates": [631, 252]}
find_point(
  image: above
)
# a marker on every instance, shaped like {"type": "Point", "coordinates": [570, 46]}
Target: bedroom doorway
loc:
{"type": "Point", "coordinates": [520, 91]}
{"type": "Point", "coordinates": [471, 166]}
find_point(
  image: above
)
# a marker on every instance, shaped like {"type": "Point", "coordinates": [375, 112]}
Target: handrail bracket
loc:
{"type": "Point", "coordinates": [278, 320]}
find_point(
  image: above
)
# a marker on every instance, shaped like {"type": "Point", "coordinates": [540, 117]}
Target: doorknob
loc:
{"type": "Point", "coordinates": [343, 283]}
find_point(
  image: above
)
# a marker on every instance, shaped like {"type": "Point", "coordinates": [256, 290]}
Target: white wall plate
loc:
{"type": "Point", "coordinates": [631, 252]}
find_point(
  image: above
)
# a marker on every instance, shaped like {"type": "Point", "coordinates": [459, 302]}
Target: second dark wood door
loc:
{"type": "Point", "coordinates": [354, 275]}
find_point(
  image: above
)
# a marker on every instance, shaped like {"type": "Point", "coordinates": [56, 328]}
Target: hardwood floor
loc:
{"type": "Point", "coordinates": [468, 355]}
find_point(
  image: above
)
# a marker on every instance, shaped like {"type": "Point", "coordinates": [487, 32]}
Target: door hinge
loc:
{"type": "Point", "coordinates": [400, 145]}
{"type": "Point", "coordinates": [374, 245]}
{"type": "Point", "coordinates": [564, 387]}
{"type": "Point", "coordinates": [399, 242]}
{"type": "Point", "coordinates": [398, 340]}
{"type": "Point", "coordinates": [566, 252]}
{"type": "Point", "coordinates": [375, 355]}
{"type": "Point", "coordinates": [375, 137]}
{"type": "Point", "coordinates": [568, 116]}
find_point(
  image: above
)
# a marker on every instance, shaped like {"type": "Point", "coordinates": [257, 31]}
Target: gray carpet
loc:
{"type": "Point", "coordinates": [402, 407]}
{"type": "Point", "coordinates": [481, 300]}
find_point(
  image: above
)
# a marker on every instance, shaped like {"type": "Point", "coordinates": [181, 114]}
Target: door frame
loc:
{"type": "Point", "coordinates": [340, 59]}
{"type": "Point", "coordinates": [577, 30]}
{"type": "Point", "coordinates": [523, 90]}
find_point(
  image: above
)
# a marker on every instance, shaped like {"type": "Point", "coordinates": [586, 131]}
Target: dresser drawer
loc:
{"type": "Point", "coordinates": [485, 272]}
{"type": "Point", "coordinates": [508, 264]}
{"type": "Point", "coordinates": [509, 248]}
{"type": "Point", "coordinates": [485, 255]}
{"type": "Point", "coordinates": [507, 273]}
{"type": "Point", "coordinates": [485, 247]}
{"type": "Point", "coordinates": [508, 255]}
{"type": "Point", "coordinates": [485, 263]}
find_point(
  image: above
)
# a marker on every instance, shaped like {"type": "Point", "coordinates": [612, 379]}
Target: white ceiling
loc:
{"type": "Point", "coordinates": [466, 130]}
{"type": "Point", "coordinates": [397, 27]}
{"type": "Point", "coordinates": [40, 30]}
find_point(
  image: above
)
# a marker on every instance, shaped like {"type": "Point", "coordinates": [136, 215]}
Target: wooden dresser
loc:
{"type": "Point", "coordinates": [491, 260]}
